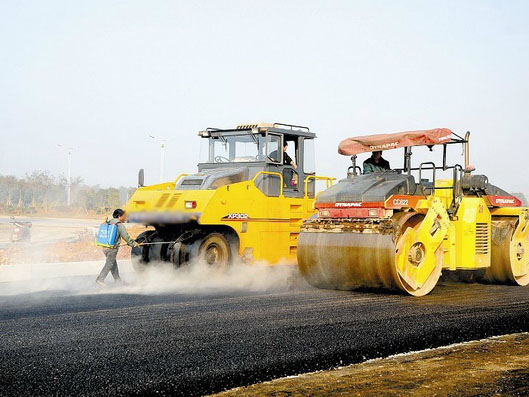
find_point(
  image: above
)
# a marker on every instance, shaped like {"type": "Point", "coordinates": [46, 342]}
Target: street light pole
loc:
{"type": "Point", "coordinates": [162, 160]}
{"type": "Point", "coordinates": [69, 175]}
{"type": "Point", "coordinates": [69, 182]}
{"type": "Point", "coordinates": [163, 142]}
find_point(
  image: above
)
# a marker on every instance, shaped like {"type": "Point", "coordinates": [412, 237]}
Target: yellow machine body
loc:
{"type": "Point", "coordinates": [383, 230]}
{"type": "Point", "coordinates": [254, 187]}
{"type": "Point", "coordinates": [267, 228]}
{"type": "Point", "coordinates": [467, 239]}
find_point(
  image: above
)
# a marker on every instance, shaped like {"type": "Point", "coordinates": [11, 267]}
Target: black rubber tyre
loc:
{"type": "Point", "coordinates": [157, 251]}
{"type": "Point", "coordinates": [140, 255]}
{"type": "Point", "coordinates": [175, 254]}
{"type": "Point", "coordinates": [181, 253]}
{"type": "Point", "coordinates": [215, 251]}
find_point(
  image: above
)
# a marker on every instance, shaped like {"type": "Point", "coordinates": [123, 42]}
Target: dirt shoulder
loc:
{"type": "Point", "coordinates": [82, 247]}
{"type": "Point", "coordinates": [79, 214]}
{"type": "Point", "coordinates": [492, 366]}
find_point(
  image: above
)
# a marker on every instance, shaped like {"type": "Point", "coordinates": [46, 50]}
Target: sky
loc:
{"type": "Point", "coordinates": [101, 76]}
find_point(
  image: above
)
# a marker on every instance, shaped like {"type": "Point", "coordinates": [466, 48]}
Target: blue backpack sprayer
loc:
{"type": "Point", "coordinates": [107, 236]}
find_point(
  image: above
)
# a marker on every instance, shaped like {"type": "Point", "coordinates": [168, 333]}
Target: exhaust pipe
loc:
{"type": "Point", "coordinates": [467, 150]}
{"type": "Point", "coordinates": [141, 178]}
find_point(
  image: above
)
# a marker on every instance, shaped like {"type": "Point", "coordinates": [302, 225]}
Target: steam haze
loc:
{"type": "Point", "coordinates": [101, 76]}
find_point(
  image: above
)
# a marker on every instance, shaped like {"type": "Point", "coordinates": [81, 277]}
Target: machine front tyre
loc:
{"type": "Point", "coordinates": [215, 251]}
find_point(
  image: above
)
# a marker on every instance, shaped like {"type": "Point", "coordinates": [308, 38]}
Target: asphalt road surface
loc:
{"type": "Point", "coordinates": [55, 342]}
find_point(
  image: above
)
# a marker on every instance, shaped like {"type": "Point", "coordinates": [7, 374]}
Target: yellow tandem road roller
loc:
{"type": "Point", "coordinates": [248, 200]}
{"type": "Point", "coordinates": [388, 230]}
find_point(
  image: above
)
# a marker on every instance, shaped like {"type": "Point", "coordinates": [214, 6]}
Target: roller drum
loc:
{"type": "Point", "coordinates": [509, 252]}
{"type": "Point", "coordinates": [331, 258]}
{"type": "Point", "coordinates": [347, 260]}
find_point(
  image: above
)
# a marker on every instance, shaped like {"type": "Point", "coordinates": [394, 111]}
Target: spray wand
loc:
{"type": "Point", "coordinates": [157, 242]}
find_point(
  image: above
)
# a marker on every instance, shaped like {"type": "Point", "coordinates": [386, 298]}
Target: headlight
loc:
{"type": "Point", "coordinates": [373, 212]}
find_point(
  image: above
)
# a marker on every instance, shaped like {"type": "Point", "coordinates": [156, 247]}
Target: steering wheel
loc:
{"type": "Point", "coordinates": [221, 159]}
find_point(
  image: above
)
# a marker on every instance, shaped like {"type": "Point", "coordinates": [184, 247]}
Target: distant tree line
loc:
{"type": "Point", "coordinates": [40, 191]}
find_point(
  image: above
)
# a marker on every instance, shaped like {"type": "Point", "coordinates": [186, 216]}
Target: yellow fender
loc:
{"type": "Point", "coordinates": [520, 246]}
{"type": "Point", "coordinates": [417, 248]}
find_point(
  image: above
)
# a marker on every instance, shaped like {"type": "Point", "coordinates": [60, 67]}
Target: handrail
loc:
{"type": "Point", "coordinates": [270, 173]}
{"type": "Point", "coordinates": [424, 168]}
{"type": "Point", "coordinates": [292, 126]}
{"type": "Point", "coordinates": [329, 180]}
{"type": "Point", "coordinates": [433, 177]}
{"type": "Point", "coordinates": [178, 178]}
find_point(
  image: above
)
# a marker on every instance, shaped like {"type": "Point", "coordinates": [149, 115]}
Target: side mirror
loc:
{"type": "Point", "coordinates": [141, 178]}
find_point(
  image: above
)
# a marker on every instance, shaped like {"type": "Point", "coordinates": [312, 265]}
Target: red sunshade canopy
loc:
{"type": "Point", "coordinates": [372, 143]}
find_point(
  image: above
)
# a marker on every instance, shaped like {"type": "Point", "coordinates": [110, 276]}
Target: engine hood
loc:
{"type": "Point", "coordinates": [375, 187]}
{"type": "Point", "coordinates": [213, 179]}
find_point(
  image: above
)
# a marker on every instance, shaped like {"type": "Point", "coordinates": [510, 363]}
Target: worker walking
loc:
{"type": "Point", "coordinates": [111, 264]}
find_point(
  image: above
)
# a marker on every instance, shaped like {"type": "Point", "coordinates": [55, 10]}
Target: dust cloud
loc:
{"type": "Point", "coordinates": [78, 278]}
{"type": "Point", "coordinates": [162, 277]}
{"type": "Point", "coordinates": [71, 267]}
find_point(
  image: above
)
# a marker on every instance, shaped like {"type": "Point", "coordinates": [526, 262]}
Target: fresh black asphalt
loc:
{"type": "Point", "coordinates": [126, 344]}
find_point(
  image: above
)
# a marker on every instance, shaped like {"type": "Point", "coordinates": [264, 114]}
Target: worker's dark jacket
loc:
{"type": "Point", "coordinates": [122, 233]}
{"type": "Point", "coordinates": [287, 160]}
{"type": "Point", "coordinates": [371, 166]}
{"type": "Point", "coordinates": [277, 157]}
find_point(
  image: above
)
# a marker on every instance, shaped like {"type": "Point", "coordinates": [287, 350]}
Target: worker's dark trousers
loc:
{"type": "Point", "coordinates": [111, 265]}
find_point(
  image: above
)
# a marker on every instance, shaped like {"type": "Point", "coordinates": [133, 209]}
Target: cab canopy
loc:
{"type": "Point", "coordinates": [372, 143]}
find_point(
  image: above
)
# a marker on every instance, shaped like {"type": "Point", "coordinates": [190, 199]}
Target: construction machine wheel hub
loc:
{"type": "Point", "coordinates": [213, 254]}
{"type": "Point", "coordinates": [416, 254]}
{"type": "Point", "coordinates": [520, 251]}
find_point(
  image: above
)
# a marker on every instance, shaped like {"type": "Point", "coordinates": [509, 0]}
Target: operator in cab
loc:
{"type": "Point", "coordinates": [111, 265]}
{"type": "Point", "coordinates": [287, 160]}
{"type": "Point", "coordinates": [376, 163]}
{"type": "Point", "coordinates": [288, 173]}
